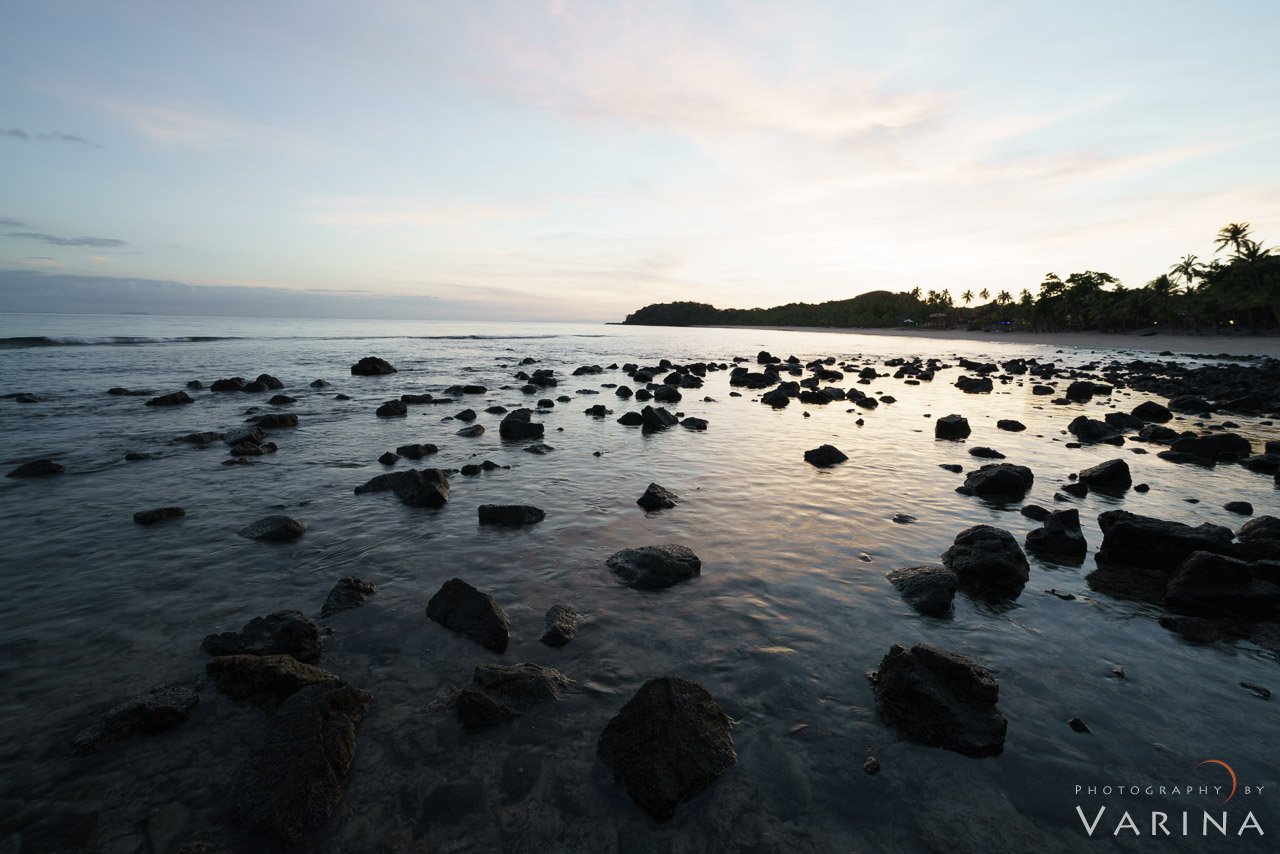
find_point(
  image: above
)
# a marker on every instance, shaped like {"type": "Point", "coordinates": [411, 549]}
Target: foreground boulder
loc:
{"type": "Point", "coordinates": [669, 741]}
{"type": "Point", "coordinates": [156, 710]}
{"type": "Point", "coordinates": [654, 567]}
{"type": "Point", "coordinates": [941, 699]}
{"type": "Point", "coordinates": [464, 609]}
{"type": "Point", "coordinates": [350, 592]}
{"type": "Point", "coordinates": [928, 589]}
{"type": "Point", "coordinates": [1059, 537]}
{"type": "Point", "coordinates": [372, 366]}
{"type": "Point", "coordinates": [1111, 477]}
{"type": "Point", "coordinates": [998, 480]}
{"type": "Point", "coordinates": [511, 515]}
{"type": "Point", "coordinates": [282, 633]}
{"type": "Point", "coordinates": [824, 456]}
{"type": "Point", "coordinates": [1142, 541]}
{"type": "Point", "coordinates": [561, 625]}
{"type": "Point", "coordinates": [951, 427]}
{"type": "Point", "coordinates": [274, 529]}
{"type": "Point", "coordinates": [415, 487]}
{"type": "Point", "coordinates": [293, 782]}
{"type": "Point", "coordinates": [517, 425]}
{"type": "Point", "coordinates": [37, 468]}
{"type": "Point", "coordinates": [657, 498]}
{"type": "Point", "coordinates": [1213, 585]}
{"type": "Point", "coordinates": [267, 680]}
{"type": "Point", "coordinates": [988, 562]}
{"type": "Point", "coordinates": [499, 692]}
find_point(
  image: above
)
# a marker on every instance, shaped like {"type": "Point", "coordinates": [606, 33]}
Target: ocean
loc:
{"type": "Point", "coordinates": [790, 611]}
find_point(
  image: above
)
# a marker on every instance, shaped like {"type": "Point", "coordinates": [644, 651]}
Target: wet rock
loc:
{"type": "Point", "coordinates": [417, 450]}
{"type": "Point", "coordinates": [778, 398]}
{"type": "Point", "coordinates": [281, 633]}
{"type": "Point", "coordinates": [988, 562]}
{"type": "Point", "coordinates": [656, 419]}
{"type": "Point", "coordinates": [281, 400]}
{"type": "Point", "coordinates": [158, 514]}
{"type": "Point", "coordinates": [951, 427]}
{"type": "Point", "coordinates": [668, 742]}
{"type": "Point", "coordinates": [350, 592]}
{"type": "Point", "coordinates": [1261, 528]}
{"type": "Point", "coordinates": [1123, 421]}
{"type": "Point", "coordinates": [319, 384]}
{"type": "Point", "coordinates": [512, 515]}
{"type": "Point", "coordinates": [466, 415]}
{"type": "Point", "coordinates": [269, 382]}
{"type": "Point", "coordinates": [276, 420]}
{"type": "Point", "coordinates": [177, 398]}
{"type": "Point", "coordinates": [267, 680]}
{"type": "Point", "coordinates": [561, 625]}
{"type": "Point", "coordinates": [415, 487]}
{"type": "Point", "coordinates": [928, 589]}
{"type": "Point", "coordinates": [37, 468]}
{"type": "Point", "coordinates": [1142, 541]}
{"type": "Point", "coordinates": [275, 529]}
{"type": "Point", "coordinates": [1079, 726]}
{"type": "Point", "coordinates": [1010, 425]}
{"type": "Point", "coordinates": [1152, 411]}
{"type": "Point", "coordinates": [512, 689]}
{"type": "Point", "coordinates": [696, 424]}
{"type": "Point", "coordinates": [903, 519]}
{"type": "Point", "coordinates": [1111, 477]}
{"type": "Point", "coordinates": [154, 711]}
{"type": "Point", "coordinates": [1077, 490]}
{"type": "Point", "coordinates": [372, 366]}
{"type": "Point", "coordinates": [941, 699]}
{"type": "Point", "coordinates": [1093, 432]}
{"type": "Point", "coordinates": [974, 385]}
{"type": "Point", "coordinates": [1059, 538]}
{"type": "Point", "coordinates": [477, 710]}
{"type": "Point", "coordinates": [227, 384]}
{"type": "Point", "coordinates": [392, 409]}
{"type": "Point", "coordinates": [657, 498]}
{"type": "Point", "coordinates": [471, 431]}
{"type": "Point", "coordinates": [998, 481]}
{"type": "Point", "coordinates": [1221, 447]}
{"type": "Point", "coordinates": [986, 453]}
{"type": "Point", "coordinates": [249, 434]}
{"type": "Point", "coordinates": [1082, 391]}
{"type": "Point", "coordinates": [517, 425]}
{"type": "Point", "coordinates": [464, 609]}
{"type": "Point", "coordinates": [1243, 508]}
{"type": "Point", "coordinates": [952, 467]}
{"type": "Point", "coordinates": [1213, 585]}
{"type": "Point", "coordinates": [824, 456]}
{"type": "Point", "coordinates": [631, 419]}
{"type": "Point", "coordinates": [1190, 404]}
{"type": "Point", "coordinates": [294, 780]}
{"type": "Point", "coordinates": [598, 411]}
{"type": "Point", "coordinates": [118, 391]}
{"type": "Point", "coordinates": [1257, 690]}
{"type": "Point", "coordinates": [389, 458]}
{"type": "Point", "coordinates": [1158, 434]}
{"type": "Point", "coordinates": [654, 567]}
{"type": "Point", "coordinates": [201, 439]}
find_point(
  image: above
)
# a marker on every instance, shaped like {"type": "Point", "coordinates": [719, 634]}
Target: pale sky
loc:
{"type": "Point", "coordinates": [576, 159]}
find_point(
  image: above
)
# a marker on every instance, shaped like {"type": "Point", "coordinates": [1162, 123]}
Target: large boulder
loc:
{"type": "Point", "coordinates": [1059, 537]}
{"type": "Point", "coordinates": [824, 456]}
{"type": "Point", "coordinates": [510, 515]}
{"type": "Point", "coordinates": [656, 419]}
{"type": "Point", "coordinates": [1260, 528]}
{"type": "Point", "coordinates": [1213, 585]}
{"type": "Point", "coordinates": [282, 633]}
{"type": "Point", "coordinates": [988, 562]}
{"type": "Point", "coordinates": [274, 529]}
{"type": "Point", "coordinates": [1093, 432]}
{"type": "Point", "coordinates": [350, 592]}
{"type": "Point", "coordinates": [1220, 447]}
{"type": "Point", "coordinates": [654, 567]}
{"type": "Point", "coordinates": [464, 609]}
{"type": "Point", "coordinates": [153, 711]}
{"type": "Point", "coordinates": [1152, 411]}
{"type": "Point", "coordinates": [517, 425]}
{"type": "Point", "coordinates": [668, 742]}
{"type": "Point", "coordinates": [998, 480]}
{"type": "Point", "coordinates": [372, 366]}
{"type": "Point", "coordinates": [1110, 477]}
{"type": "Point", "coordinates": [267, 680]}
{"type": "Point", "coordinates": [1142, 541]}
{"type": "Point", "coordinates": [294, 780]}
{"type": "Point", "coordinates": [951, 427]}
{"type": "Point", "coordinates": [940, 699]}
{"type": "Point", "coordinates": [928, 589]}
{"type": "Point", "coordinates": [507, 690]}
{"type": "Point", "coordinates": [415, 487]}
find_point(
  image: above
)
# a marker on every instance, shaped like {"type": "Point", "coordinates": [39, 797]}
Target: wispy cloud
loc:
{"type": "Point", "coordinates": [41, 261]}
{"type": "Point", "coordinates": [201, 126]}
{"type": "Point", "coordinates": [10, 222]}
{"type": "Point", "coordinates": [51, 136]}
{"type": "Point", "coordinates": [15, 133]}
{"type": "Point", "coordinates": [55, 240]}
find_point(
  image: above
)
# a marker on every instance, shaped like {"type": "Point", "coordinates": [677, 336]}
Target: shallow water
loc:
{"type": "Point", "coordinates": [791, 609]}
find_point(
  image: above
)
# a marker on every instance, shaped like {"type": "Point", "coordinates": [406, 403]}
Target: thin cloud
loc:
{"type": "Point", "coordinates": [370, 213]}
{"type": "Point", "coordinates": [55, 240]}
{"type": "Point", "coordinates": [10, 222]}
{"type": "Point", "coordinates": [51, 136]}
{"type": "Point", "coordinates": [16, 133]}
{"type": "Point", "coordinates": [42, 261]}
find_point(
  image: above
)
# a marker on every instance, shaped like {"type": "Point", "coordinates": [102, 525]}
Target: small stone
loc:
{"type": "Point", "coordinates": [657, 498]}
{"type": "Point", "coordinates": [1078, 725]}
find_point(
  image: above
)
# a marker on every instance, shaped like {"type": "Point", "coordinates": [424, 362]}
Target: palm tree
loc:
{"type": "Point", "coordinates": [1188, 269]}
{"type": "Point", "coordinates": [984, 294]}
{"type": "Point", "coordinates": [1251, 251]}
{"type": "Point", "coordinates": [1233, 234]}
{"type": "Point", "coordinates": [966, 298]}
{"type": "Point", "coordinates": [1003, 298]}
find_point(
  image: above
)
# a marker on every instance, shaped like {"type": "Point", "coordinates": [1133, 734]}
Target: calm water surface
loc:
{"type": "Point", "coordinates": [790, 612]}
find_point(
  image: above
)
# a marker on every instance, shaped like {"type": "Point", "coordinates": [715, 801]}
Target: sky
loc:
{"type": "Point", "coordinates": [577, 159]}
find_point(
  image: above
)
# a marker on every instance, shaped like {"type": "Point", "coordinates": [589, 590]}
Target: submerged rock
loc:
{"type": "Point", "coordinates": [392, 409]}
{"type": "Point", "coordinates": [654, 567]}
{"type": "Point", "coordinates": [281, 633]}
{"type": "Point", "coordinates": [37, 468]}
{"type": "Point", "coordinates": [372, 366]}
{"type": "Point", "coordinates": [668, 742]}
{"type": "Point", "coordinates": [267, 680]}
{"type": "Point", "coordinates": [1213, 585]}
{"type": "Point", "coordinates": [1060, 537]}
{"type": "Point", "coordinates": [988, 562]}
{"type": "Point", "coordinates": [153, 711]}
{"type": "Point", "coordinates": [274, 529]}
{"type": "Point", "coordinates": [415, 487]}
{"type": "Point", "coordinates": [513, 515]}
{"type": "Point", "coordinates": [416, 450]}
{"type": "Point", "coordinates": [177, 398]}
{"type": "Point", "coordinates": [657, 498]}
{"type": "Point", "coordinates": [464, 609]}
{"type": "Point", "coordinates": [294, 780]}
{"type": "Point", "coordinates": [158, 514]}
{"type": "Point", "coordinates": [998, 480]}
{"type": "Point", "coordinates": [561, 625]}
{"type": "Point", "coordinates": [941, 699]}
{"type": "Point", "coordinates": [350, 592]}
{"type": "Point", "coordinates": [1142, 541]}
{"type": "Point", "coordinates": [506, 691]}
{"type": "Point", "coordinates": [928, 589]}
{"type": "Point", "coordinates": [824, 456]}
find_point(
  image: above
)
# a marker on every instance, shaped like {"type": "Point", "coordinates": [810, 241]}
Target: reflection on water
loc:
{"type": "Point", "coordinates": [790, 612]}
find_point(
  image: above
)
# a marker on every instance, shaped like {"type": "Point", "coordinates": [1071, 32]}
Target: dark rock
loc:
{"type": "Point", "coordinates": [824, 455]}
{"type": "Point", "coordinates": [294, 780]}
{"type": "Point", "coordinates": [540, 449]}
{"type": "Point", "coordinates": [1111, 477]}
{"type": "Point", "coordinates": [159, 514]}
{"type": "Point", "coordinates": [1212, 585]}
{"type": "Point", "coordinates": [1083, 390]}
{"type": "Point", "coordinates": [1078, 490]}
{"type": "Point", "coordinates": [1191, 404]}
{"type": "Point", "coordinates": [988, 562]}
{"type": "Point", "coordinates": [999, 481]}
{"type": "Point", "coordinates": [267, 680]}
{"type": "Point", "coordinates": [274, 529]}
{"type": "Point", "coordinates": [1257, 690]}
{"type": "Point", "coordinates": [986, 453]}
{"type": "Point", "coordinates": [1079, 726]}
{"type": "Point", "coordinates": [668, 742]}
{"type": "Point", "coordinates": [1010, 425]}
{"type": "Point", "coordinates": [952, 467]}
{"type": "Point", "coordinates": [466, 415]}
{"type": "Point", "coordinates": [415, 487]}
{"type": "Point", "coordinates": [349, 592]}
{"type": "Point", "coordinates": [389, 458]}
{"type": "Point", "coordinates": [268, 381]}
{"type": "Point", "coordinates": [227, 384]}
{"type": "Point", "coordinates": [154, 711]}
{"type": "Point", "coordinates": [1124, 421]}
{"type": "Point", "coordinates": [940, 698]}
{"type": "Point", "coordinates": [282, 633]}
{"type": "Point", "coordinates": [477, 710]}
{"type": "Point", "coordinates": [281, 400]}
{"type": "Point", "coordinates": [561, 625]}
{"type": "Point", "coordinates": [655, 419]}
{"type": "Point", "coordinates": [1244, 508]}
{"type": "Point", "coordinates": [654, 567]}
{"type": "Point", "coordinates": [696, 424]}
{"type": "Point", "coordinates": [928, 589]}
{"type": "Point", "coordinates": [513, 515]}
{"type": "Point", "coordinates": [201, 439]}
{"type": "Point", "coordinates": [319, 384]}
{"type": "Point", "coordinates": [657, 498]}
{"type": "Point", "coordinates": [631, 419]}
{"type": "Point", "coordinates": [471, 431]}
{"type": "Point", "coordinates": [464, 609]}
{"type": "Point", "coordinates": [1152, 411]}
{"type": "Point", "coordinates": [513, 689]}
{"type": "Point", "coordinates": [951, 427]}
{"type": "Point", "coordinates": [1221, 447]}
{"type": "Point", "coordinates": [176, 398]}
{"type": "Point", "coordinates": [416, 451]}
{"type": "Point", "coordinates": [1132, 540]}
{"type": "Point", "coordinates": [372, 366]}
{"type": "Point", "coordinates": [1060, 537]}
{"type": "Point", "coordinates": [974, 385]}
{"type": "Point", "coordinates": [1157, 434]}
{"type": "Point", "coordinates": [1091, 431]}
{"type": "Point", "coordinates": [392, 409]}
{"type": "Point", "coordinates": [277, 420]}
{"type": "Point", "coordinates": [1261, 528]}
{"type": "Point", "coordinates": [1036, 512]}
{"type": "Point", "coordinates": [250, 433]}
{"type": "Point", "coordinates": [517, 425]}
